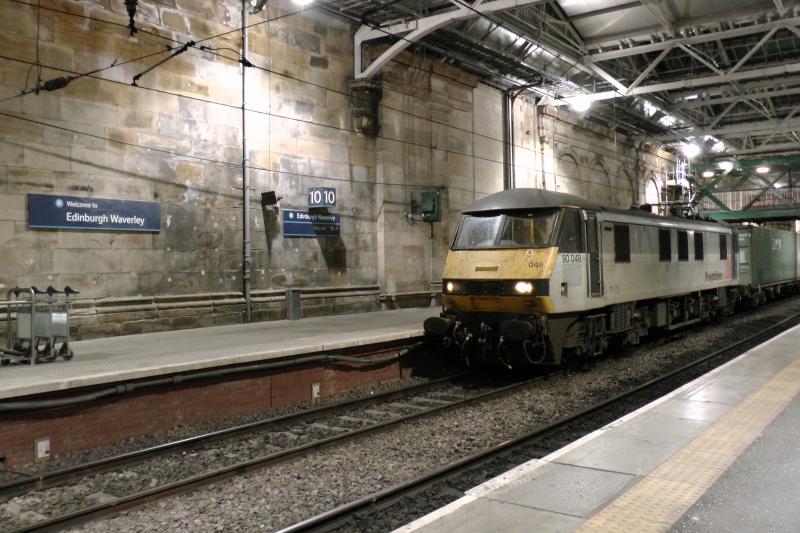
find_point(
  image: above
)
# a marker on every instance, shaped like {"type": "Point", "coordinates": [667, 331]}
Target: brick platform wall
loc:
{"type": "Point", "coordinates": [105, 422]}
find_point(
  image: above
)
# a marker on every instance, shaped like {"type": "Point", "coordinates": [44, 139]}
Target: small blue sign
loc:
{"type": "Point", "coordinates": [76, 212]}
{"type": "Point", "coordinates": [304, 224]}
{"type": "Point", "coordinates": [321, 197]}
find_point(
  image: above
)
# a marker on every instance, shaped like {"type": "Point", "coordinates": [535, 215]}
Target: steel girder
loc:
{"type": "Point", "coordinates": [415, 30]}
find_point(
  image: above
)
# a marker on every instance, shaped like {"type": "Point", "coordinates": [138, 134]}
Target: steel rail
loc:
{"type": "Point", "coordinates": [336, 517]}
{"type": "Point", "coordinates": [127, 502]}
{"type": "Point", "coordinates": [55, 477]}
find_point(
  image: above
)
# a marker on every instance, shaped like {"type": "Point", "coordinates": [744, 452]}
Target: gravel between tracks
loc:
{"type": "Point", "coordinates": [284, 494]}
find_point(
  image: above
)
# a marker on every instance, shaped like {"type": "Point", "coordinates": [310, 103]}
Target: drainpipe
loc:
{"type": "Point", "coordinates": [246, 252]}
{"type": "Point", "coordinates": [542, 140]}
{"type": "Point", "coordinates": [509, 178]}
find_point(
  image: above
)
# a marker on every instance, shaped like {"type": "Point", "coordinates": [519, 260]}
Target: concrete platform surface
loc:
{"type": "Point", "coordinates": [131, 357]}
{"type": "Point", "coordinates": [718, 454]}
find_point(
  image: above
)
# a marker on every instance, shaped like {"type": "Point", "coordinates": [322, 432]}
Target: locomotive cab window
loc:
{"type": "Point", "coordinates": [570, 239]}
{"type": "Point", "coordinates": [723, 246]}
{"type": "Point", "coordinates": [683, 246]}
{"type": "Point", "coordinates": [622, 243]}
{"type": "Point", "coordinates": [665, 245]}
{"type": "Point", "coordinates": [698, 246]}
{"type": "Point", "coordinates": [506, 230]}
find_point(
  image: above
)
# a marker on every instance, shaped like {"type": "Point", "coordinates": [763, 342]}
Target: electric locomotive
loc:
{"type": "Point", "coordinates": [536, 278]}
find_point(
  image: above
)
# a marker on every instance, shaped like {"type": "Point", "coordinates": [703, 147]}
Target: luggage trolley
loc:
{"type": "Point", "coordinates": [39, 320]}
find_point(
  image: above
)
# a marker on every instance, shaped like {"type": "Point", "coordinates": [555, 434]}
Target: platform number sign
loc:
{"type": "Point", "coordinates": [321, 197]}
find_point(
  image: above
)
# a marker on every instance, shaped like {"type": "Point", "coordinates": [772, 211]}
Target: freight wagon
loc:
{"type": "Point", "coordinates": [768, 262]}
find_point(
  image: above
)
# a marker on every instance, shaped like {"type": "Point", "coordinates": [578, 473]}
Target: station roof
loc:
{"type": "Point", "coordinates": [722, 74]}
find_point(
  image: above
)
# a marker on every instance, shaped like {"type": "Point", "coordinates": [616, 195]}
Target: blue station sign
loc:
{"type": "Point", "coordinates": [76, 212]}
{"type": "Point", "coordinates": [305, 224]}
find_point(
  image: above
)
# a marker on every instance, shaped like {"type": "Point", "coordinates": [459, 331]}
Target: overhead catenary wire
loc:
{"type": "Point", "coordinates": [336, 127]}
{"type": "Point", "coordinates": [252, 167]}
{"type": "Point", "coordinates": [313, 84]}
{"type": "Point", "coordinates": [309, 122]}
{"type": "Point", "coordinates": [293, 78]}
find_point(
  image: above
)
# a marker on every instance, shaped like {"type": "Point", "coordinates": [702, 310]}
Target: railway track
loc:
{"type": "Point", "coordinates": [398, 407]}
{"type": "Point", "coordinates": [363, 509]}
{"type": "Point", "coordinates": [323, 427]}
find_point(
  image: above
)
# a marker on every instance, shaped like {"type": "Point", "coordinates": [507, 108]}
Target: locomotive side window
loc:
{"type": "Point", "coordinates": [665, 245]}
{"type": "Point", "coordinates": [570, 240]}
{"type": "Point", "coordinates": [698, 246]}
{"type": "Point", "coordinates": [683, 246]}
{"type": "Point", "coordinates": [622, 243]}
{"type": "Point", "coordinates": [723, 246]}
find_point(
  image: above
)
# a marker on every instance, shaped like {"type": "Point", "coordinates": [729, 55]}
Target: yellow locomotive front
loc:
{"type": "Point", "coordinates": [496, 284]}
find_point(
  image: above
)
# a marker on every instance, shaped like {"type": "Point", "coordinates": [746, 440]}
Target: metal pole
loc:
{"type": "Point", "coordinates": [246, 253]}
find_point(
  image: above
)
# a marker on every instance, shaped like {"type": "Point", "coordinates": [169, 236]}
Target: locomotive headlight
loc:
{"type": "Point", "coordinates": [524, 287]}
{"type": "Point", "coordinates": [450, 287]}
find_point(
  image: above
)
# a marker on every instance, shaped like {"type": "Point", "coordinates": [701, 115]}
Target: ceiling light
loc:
{"type": "Point", "coordinates": [690, 150]}
{"type": "Point", "coordinates": [778, 185]}
{"type": "Point", "coordinates": [762, 169]}
{"type": "Point", "coordinates": [725, 166]}
{"type": "Point", "coordinates": [302, 2]}
{"type": "Point", "coordinates": [581, 103]}
{"type": "Point", "coordinates": [709, 174]}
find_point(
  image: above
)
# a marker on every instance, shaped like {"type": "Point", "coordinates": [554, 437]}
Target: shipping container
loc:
{"type": "Point", "coordinates": [767, 256]}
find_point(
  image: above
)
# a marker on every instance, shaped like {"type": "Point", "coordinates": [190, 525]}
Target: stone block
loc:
{"type": "Point", "coordinates": [7, 232]}
{"type": "Point", "coordinates": [30, 238]}
{"type": "Point", "coordinates": [87, 161]}
{"type": "Point", "coordinates": [44, 105]}
{"type": "Point", "coordinates": [190, 172]}
{"type": "Point", "coordinates": [318, 62]}
{"type": "Point", "coordinates": [146, 326]}
{"type": "Point", "coordinates": [86, 112]}
{"type": "Point", "coordinates": [23, 181]}
{"type": "Point", "coordinates": [185, 322]}
{"type": "Point", "coordinates": [20, 21]}
{"type": "Point", "coordinates": [144, 261]}
{"type": "Point", "coordinates": [183, 261]}
{"type": "Point", "coordinates": [136, 118]}
{"type": "Point", "coordinates": [121, 316]}
{"type": "Point", "coordinates": [11, 152]}
{"type": "Point", "coordinates": [85, 261]}
{"type": "Point", "coordinates": [97, 331]}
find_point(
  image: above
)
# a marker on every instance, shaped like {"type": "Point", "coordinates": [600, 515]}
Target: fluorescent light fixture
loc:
{"type": "Point", "coordinates": [690, 150]}
{"type": "Point", "coordinates": [302, 2]}
{"type": "Point", "coordinates": [691, 97]}
{"type": "Point", "coordinates": [667, 121]}
{"type": "Point", "coordinates": [580, 103]}
{"type": "Point", "coordinates": [777, 185]}
{"type": "Point", "coordinates": [725, 166]}
{"type": "Point", "coordinates": [709, 174]}
{"type": "Point", "coordinates": [762, 169]}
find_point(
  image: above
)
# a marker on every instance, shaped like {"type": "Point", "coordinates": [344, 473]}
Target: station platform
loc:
{"type": "Point", "coordinates": [132, 357]}
{"type": "Point", "coordinates": [718, 454]}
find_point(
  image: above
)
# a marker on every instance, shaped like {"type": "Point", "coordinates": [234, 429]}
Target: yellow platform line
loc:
{"type": "Point", "coordinates": [661, 498]}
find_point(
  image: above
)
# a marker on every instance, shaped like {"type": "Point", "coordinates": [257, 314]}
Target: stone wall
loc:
{"type": "Point", "coordinates": [559, 150]}
{"type": "Point", "coordinates": [176, 139]}
{"type": "Point", "coordinates": [441, 130]}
